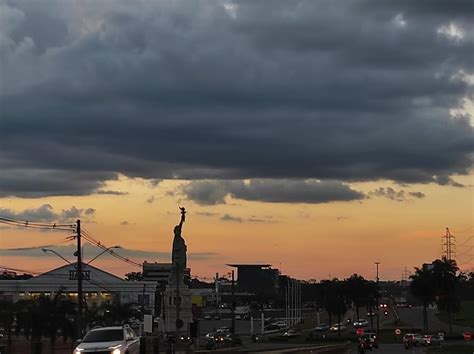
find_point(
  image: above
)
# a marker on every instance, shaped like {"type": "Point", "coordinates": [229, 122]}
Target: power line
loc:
{"type": "Point", "coordinates": [86, 235]}
{"type": "Point", "coordinates": [70, 228]}
{"type": "Point", "coordinates": [34, 225]}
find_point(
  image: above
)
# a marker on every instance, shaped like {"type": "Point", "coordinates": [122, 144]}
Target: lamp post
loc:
{"type": "Point", "coordinates": [101, 253]}
{"type": "Point", "coordinates": [56, 253]}
{"type": "Point", "coordinates": [377, 299]}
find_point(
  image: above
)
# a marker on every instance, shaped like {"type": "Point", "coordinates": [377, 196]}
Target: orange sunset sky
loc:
{"type": "Point", "coordinates": [305, 241]}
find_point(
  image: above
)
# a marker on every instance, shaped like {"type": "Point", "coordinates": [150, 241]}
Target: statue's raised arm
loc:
{"type": "Point", "coordinates": [183, 216]}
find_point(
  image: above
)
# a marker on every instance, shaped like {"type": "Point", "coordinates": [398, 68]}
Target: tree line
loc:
{"type": "Point", "coordinates": [55, 317]}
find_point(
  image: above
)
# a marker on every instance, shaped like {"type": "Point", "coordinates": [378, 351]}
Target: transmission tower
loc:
{"type": "Point", "coordinates": [405, 277]}
{"type": "Point", "coordinates": [448, 244]}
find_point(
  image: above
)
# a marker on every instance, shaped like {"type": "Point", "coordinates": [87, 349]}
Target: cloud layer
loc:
{"type": "Point", "coordinates": [275, 191]}
{"type": "Point", "coordinates": [349, 91]}
{"type": "Point", "coordinates": [46, 213]}
{"type": "Point", "coordinates": [91, 251]}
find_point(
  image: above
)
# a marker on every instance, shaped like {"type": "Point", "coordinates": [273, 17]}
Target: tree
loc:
{"type": "Point", "coordinates": [335, 300]}
{"type": "Point", "coordinates": [357, 291]}
{"type": "Point", "coordinates": [44, 316]}
{"type": "Point", "coordinates": [116, 313]}
{"type": "Point", "coordinates": [447, 282]}
{"type": "Point", "coordinates": [424, 288]}
{"type": "Point", "coordinates": [7, 317]}
{"type": "Point", "coordinates": [134, 276]}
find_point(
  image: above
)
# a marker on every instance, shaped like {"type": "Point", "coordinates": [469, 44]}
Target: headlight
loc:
{"type": "Point", "coordinates": [116, 349]}
{"type": "Point", "coordinates": [78, 351]}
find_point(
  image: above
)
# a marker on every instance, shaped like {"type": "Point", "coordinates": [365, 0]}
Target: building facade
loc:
{"type": "Point", "coordinates": [98, 287]}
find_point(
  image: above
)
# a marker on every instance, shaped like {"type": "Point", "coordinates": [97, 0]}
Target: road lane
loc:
{"type": "Point", "coordinates": [393, 349]}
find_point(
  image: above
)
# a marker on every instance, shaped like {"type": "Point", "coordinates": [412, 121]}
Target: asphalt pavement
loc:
{"type": "Point", "coordinates": [393, 349]}
{"type": "Point", "coordinates": [414, 317]}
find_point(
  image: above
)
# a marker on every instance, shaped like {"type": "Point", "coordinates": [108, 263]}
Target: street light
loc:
{"type": "Point", "coordinates": [101, 253]}
{"type": "Point", "coordinates": [56, 253]}
{"type": "Point", "coordinates": [377, 299]}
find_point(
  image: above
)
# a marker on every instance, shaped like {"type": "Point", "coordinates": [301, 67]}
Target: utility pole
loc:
{"type": "Point", "coordinates": [79, 280]}
{"type": "Point", "coordinates": [377, 300]}
{"type": "Point", "coordinates": [287, 312]}
{"type": "Point", "coordinates": [405, 276]}
{"type": "Point", "coordinates": [143, 303]}
{"type": "Point", "coordinates": [233, 304]}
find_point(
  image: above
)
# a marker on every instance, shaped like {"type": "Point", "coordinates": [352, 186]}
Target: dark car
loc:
{"type": "Point", "coordinates": [413, 340]}
{"type": "Point", "coordinates": [232, 339]}
{"type": "Point", "coordinates": [323, 327]}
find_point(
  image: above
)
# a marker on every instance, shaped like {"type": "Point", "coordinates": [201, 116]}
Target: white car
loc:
{"type": "Point", "coordinates": [113, 340]}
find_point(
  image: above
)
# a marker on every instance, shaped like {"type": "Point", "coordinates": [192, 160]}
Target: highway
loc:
{"type": "Point", "coordinates": [393, 349]}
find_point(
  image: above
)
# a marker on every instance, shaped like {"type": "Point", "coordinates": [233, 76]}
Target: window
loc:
{"type": "Point", "coordinates": [129, 334]}
{"type": "Point", "coordinates": [103, 335]}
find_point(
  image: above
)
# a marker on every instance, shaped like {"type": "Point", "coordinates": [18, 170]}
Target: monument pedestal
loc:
{"type": "Point", "coordinates": [169, 309]}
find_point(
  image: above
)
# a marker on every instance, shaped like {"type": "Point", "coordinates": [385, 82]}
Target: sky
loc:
{"type": "Point", "coordinates": [316, 136]}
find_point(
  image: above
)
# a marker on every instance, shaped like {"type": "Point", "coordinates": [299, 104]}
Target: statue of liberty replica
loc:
{"type": "Point", "coordinates": [178, 256]}
{"type": "Point", "coordinates": [177, 297]}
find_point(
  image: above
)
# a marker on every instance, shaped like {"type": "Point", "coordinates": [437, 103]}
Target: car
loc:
{"type": "Point", "coordinates": [336, 327]}
{"type": "Point", "coordinates": [232, 339]}
{"type": "Point", "coordinates": [372, 339]}
{"type": "Point", "coordinates": [323, 327]}
{"type": "Point", "coordinates": [361, 322]}
{"type": "Point", "coordinates": [207, 317]}
{"type": "Point", "coordinates": [291, 333]}
{"type": "Point", "coordinates": [113, 340]}
{"type": "Point", "coordinates": [216, 317]}
{"type": "Point", "coordinates": [271, 327]}
{"type": "Point", "coordinates": [210, 335]}
{"type": "Point", "coordinates": [370, 314]}
{"type": "Point", "coordinates": [431, 339]}
{"type": "Point", "coordinates": [238, 317]}
{"type": "Point", "coordinates": [223, 330]}
{"type": "Point", "coordinates": [413, 340]}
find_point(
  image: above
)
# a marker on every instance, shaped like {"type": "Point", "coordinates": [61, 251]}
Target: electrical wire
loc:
{"type": "Point", "coordinates": [33, 225]}
{"type": "Point", "coordinates": [70, 228]}
{"type": "Point", "coordinates": [86, 235]}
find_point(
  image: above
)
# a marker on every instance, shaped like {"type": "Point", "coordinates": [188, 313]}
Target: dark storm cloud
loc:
{"type": "Point", "coordinates": [46, 213]}
{"type": "Point", "coordinates": [273, 191]}
{"type": "Point", "coordinates": [352, 91]}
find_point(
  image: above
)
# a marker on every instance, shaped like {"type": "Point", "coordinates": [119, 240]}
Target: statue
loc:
{"type": "Point", "coordinates": [178, 256]}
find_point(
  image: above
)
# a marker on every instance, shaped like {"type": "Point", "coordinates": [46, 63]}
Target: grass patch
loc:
{"type": "Point", "coordinates": [453, 349]}
{"type": "Point", "coordinates": [463, 318]}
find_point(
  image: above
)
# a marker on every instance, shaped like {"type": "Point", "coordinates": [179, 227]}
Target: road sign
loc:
{"type": "Point", "coordinates": [467, 335]}
{"type": "Point", "coordinates": [360, 331]}
{"type": "Point", "coordinates": [398, 332]}
{"type": "Point", "coordinates": [148, 323]}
